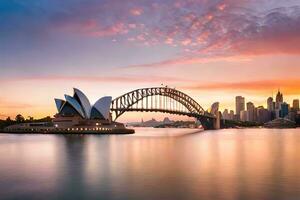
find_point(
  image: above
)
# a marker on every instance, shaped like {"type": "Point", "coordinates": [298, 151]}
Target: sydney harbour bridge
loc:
{"type": "Point", "coordinates": [165, 100]}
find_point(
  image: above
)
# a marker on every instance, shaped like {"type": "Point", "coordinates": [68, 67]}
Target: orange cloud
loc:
{"type": "Point", "coordinates": [290, 86]}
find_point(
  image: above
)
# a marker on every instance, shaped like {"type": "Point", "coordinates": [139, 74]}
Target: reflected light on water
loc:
{"type": "Point", "coordinates": [153, 164]}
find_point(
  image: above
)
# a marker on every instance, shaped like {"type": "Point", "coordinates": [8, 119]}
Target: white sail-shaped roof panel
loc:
{"type": "Point", "coordinates": [74, 103]}
{"type": "Point", "coordinates": [103, 106]}
{"type": "Point", "coordinates": [84, 101]}
{"type": "Point", "coordinates": [59, 103]}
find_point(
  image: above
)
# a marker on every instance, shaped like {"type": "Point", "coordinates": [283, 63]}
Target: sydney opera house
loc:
{"type": "Point", "coordinates": [75, 114]}
{"type": "Point", "coordinates": [77, 109]}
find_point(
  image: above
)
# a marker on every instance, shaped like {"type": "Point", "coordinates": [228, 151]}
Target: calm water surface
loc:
{"type": "Point", "coordinates": [154, 164]}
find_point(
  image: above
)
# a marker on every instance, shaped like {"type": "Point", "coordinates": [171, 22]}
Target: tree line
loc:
{"type": "Point", "coordinates": [21, 119]}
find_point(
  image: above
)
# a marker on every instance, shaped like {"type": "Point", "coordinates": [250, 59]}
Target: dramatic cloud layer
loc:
{"type": "Point", "coordinates": [200, 28]}
{"type": "Point", "coordinates": [290, 87]}
{"type": "Point", "coordinates": [204, 45]}
{"type": "Point", "coordinates": [100, 79]}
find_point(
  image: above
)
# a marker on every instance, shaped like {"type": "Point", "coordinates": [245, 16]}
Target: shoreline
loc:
{"type": "Point", "coordinates": [116, 131]}
{"type": "Point", "coordinates": [109, 132]}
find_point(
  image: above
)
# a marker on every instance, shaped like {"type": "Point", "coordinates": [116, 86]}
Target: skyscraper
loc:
{"type": "Point", "coordinates": [284, 111]}
{"type": "Point", "coordinates": [244, 115]}
{"type": "Point", "coordinates": [296, 104]}
{"type": "Point", "coordinates": [250, 106]}
{"type": "Point", "coordinates": [239, 105]}
{"type": "Point", "coordinates": [226, 114]}
{"type": "Point", "coordinates": [231, 114]}
{"type": "Point", "coordinates": [250, 112]}
{"type": "Point", "coordinates": [279, 99]}
{"type": "Point", "coordinates": [270, 104]}
{"type": "Point", "coordinates": [263, 115]}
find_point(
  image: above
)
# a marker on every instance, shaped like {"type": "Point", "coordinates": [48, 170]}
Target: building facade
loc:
{"type": "Point", "coordinates": [270, 104]}
{"type": "Point", "coordinates": [296, 104]}
{"type": "Point", "coordinates": [279, 100]}
{"type": "Point", "coordinates": [251, 112]}
{"type": "Point", "coordinates": [239, 105]}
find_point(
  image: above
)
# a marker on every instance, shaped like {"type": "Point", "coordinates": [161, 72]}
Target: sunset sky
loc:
{"type": "Point", "coordinates": [212, 50]}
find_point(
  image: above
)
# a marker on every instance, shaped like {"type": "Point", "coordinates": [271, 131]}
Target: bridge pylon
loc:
{"type": "Point", "coordinates": [217, 121]}
{"type": "Point", "coordinates": [210, 123]}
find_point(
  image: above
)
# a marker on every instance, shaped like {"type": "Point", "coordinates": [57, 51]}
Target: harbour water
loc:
{"type": "Point", "coordinates": [167, 164]}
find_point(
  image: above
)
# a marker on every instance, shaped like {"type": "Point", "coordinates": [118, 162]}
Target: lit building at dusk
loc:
{"type": "Point", "coordinates": [239, 105]}
{"type": "Point", "coordinates": [270, 104]}
{"type": "Point", "coordinates": [251, 115]}
{"type": "Point", "coordinates": [78, 110]}
{"type": "Point", "coordinates": [279, 99]}
{"type": "Point", "coordinates": [296, 104]}
{"type": "Point", "coordinates": [75, 114]}
{"type": "Point", "coordinates": [244, 115]}
{"type": "Point", "coordinates": [263, 115]}
{"type": "Point", "coordinates": [284, 110]}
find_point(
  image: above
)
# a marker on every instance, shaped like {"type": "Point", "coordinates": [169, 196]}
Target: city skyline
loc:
{"type": "Point", "coordinates": [212, 50]}
{"type": "Point", "coordinates": [276, 108]}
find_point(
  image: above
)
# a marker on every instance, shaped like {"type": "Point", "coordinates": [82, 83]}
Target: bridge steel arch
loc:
{"type": "Point", "coordinates": [161, 99]}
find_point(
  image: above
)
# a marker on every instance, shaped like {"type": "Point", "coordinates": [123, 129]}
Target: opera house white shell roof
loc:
{"type": "Point", "coordinates": [80, 104]}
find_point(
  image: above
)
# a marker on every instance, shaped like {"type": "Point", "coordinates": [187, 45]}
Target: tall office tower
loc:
{"type": "Point", "coordinates": [284, 111]}
{"type": "Point", "coordinates": [270, 104]}
{"type": "Point", "coordinates": [263, 115]}
{"type": "Point", "coordinates": [250, 106]}
{"type": "Point", "coordinates": [226, 114]}
{"type": "Point", "coordinates": [231, 114]}
{"type": "Point", "coordinates": [244, 116]}
{"type": "Point", "coordinates": [255, 115]}
{"type": "Point", "coordinates": [250, 112]}
{"type": "Point", "coordinates": [296, 104]}
{"type": "Point", "coordinates": [279, 99]}
{"type": "Point", "coordinates": [239, 105]}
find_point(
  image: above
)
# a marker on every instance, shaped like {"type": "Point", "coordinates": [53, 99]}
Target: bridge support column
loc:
{"type": "Point", "coordinates": [211, 123]}
{"type": "Point", "coordinates": [207, 123]}
{"type": "Point", "coordinates": [217, 121]}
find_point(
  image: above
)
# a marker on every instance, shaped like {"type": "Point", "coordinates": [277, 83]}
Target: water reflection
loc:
{"type": "Point", "coordinates": [153, 164]}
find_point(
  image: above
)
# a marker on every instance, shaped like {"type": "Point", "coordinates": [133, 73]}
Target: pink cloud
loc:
{"type": "Point", "coordinates": [183, 61]}
{"type": "Point", "coordinates": [136, 11]}
{"type": "Point", "coordinates": [169, 40]}
{"type": "Point", "coordinates": [94, 28]}
{"type": "Point", "coordinates": [186, 42]}
{"type": "Point", "coordinates": [227, 32]}
{"type": "Point", "coordinates": [132, 26]}
{"type": "Point", "coordinates": [211, 28]}
{"type": "Point", "coordinates": [102, 79]}
{"type": "Point", "coordinates": [222, 7]}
